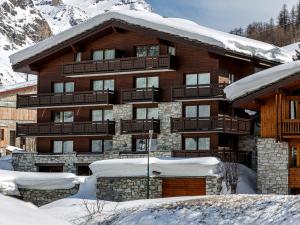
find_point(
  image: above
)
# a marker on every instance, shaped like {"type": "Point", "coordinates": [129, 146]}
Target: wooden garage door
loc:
{"type": "Point", "coordinates": [173, 187]}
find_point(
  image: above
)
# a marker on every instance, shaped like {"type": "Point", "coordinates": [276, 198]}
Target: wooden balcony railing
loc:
{"type": "Point", "coordinates": [140, 126]}
{"type": "Point", "coordinates": [65, 99]}
{"type": "Point", "coordinates": [224, 154]}
{"type": "Point", "coordinates": [290, 127]}
{"type": "Point", "coordinates": [198, 92]}
{"type": "Point", "coordinates": [225, 124]}
{"type": "Point", "coordinates": [61, 129]}
{"type": "Point", "coordinates": [140, 95]}
{"type": "Point", "coordinates": [294, 177]}
{"type": "Point", "coordinates": [120, 65]}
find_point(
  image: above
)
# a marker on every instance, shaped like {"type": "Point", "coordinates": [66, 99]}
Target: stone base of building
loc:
{"type": "Point", "coordinates": [133, 188]}
{"type": "Point", "coordinates": [29, 162]}
{"type": "Point", "coordinates": [43, 197]}
{"type": "Point", "coordinates": [272, 166]}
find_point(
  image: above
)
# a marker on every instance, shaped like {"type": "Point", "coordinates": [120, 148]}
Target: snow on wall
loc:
{"type": "Point", "coordinates": [164, 166]}
{"type": "Point", "coordinates": [261, 79]}
{"type": "Point", "coordinates": [175, 26]}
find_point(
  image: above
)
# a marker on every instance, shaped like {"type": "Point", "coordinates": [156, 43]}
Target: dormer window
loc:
{"type": "Point", "coordinates": [151, 50]}
{"type": "Point", "coordinates": [78, 56]}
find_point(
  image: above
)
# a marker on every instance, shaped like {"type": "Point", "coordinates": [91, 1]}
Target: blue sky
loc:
{"type": "Point", "coordinates": [221, 14]}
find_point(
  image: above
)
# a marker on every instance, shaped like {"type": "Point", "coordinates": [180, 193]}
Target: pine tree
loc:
{"type": "Point", "coordinates": [283, 18]}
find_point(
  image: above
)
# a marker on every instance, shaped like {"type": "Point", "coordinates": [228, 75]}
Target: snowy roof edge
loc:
{"type": "Point", "coordinates": [181, 27]}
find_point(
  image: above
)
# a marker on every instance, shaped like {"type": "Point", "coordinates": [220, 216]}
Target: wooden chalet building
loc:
{"type": "Point", "coordinates": [275, 95]}
{"type": "Point", "coordinates": [102, 85]}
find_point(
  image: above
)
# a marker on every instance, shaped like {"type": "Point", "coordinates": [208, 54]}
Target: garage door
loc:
{"type": "Point", "coordinates": [173, 187]}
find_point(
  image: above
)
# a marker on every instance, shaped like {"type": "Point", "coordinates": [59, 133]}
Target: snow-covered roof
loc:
{"type": "Point", "coordinates": [16, 86]}
{"type": "Point", "coordinates": [261, 79]}
{"type": "Point", "coordinates": [175, 26]}
{"type": "Point", "coordinates": [185, 167]}
{"type": "Point", "coordinates": [292, 48]}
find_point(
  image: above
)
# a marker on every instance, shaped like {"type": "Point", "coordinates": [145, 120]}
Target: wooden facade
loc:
{"type": "Point", "coordinates": [190, 58]}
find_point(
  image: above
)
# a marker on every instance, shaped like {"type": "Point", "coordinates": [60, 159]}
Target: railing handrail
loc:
{"type": "Point", "coordinates": [66, 123]}
{"type": "Point", "coordinates": [227, 117]}
{"type": "Point", "coordinates": [66, 93]}
{"type": "Point", "coordinates": [212, 85]}
{"type": "Point", "coordinates": [141, 120]}
{"type": "Point", "coordinates": [116, 59]}
{"type": "Point", "coordinates": [140, 89]}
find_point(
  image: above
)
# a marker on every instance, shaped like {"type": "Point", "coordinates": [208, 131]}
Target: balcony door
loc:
{"type": "Point", "coordinates": [193, 111]}
{"type": "Point", "coordinates": [146, 82]}
{"type": "Point", "coordinates": [197, 79]}
{"type": "Point", "coordinates": [294, 109]}
{"type": "Point", "coordinates": [146, 113]}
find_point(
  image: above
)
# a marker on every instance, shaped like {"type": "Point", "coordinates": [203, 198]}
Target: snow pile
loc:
{"type": "Point", "coordinates": [10, 181]}
{"type": "Point", "coordinates": [159, 166]}
{"type": "Point", "coordinates": [261, 79]}
{"type": "Point", "coordinates": [16, 212]}
{"type": "Point", "coordinates": [292, 48]}
{"type": "Point", "coordinates": [6, 163]}
{"type": "Point", "coordinates": [175, 26]}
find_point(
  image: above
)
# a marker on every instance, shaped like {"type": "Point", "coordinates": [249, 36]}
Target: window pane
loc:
{"type": "Point", "coordinates": [153, 82]}
{"type": "Point", "coordinates": [109, 54]}
{"type": "Point", "coordinates": [141, 51]}
{"type": "Point", "coordinates": [68, 146]}
{"type": "Point", "coordinates": [58, 87]}
{"type": "Point", "coordinates": [141, 82]}
{"type": "Point", "coordinates": [108, 114]}
{"type": "Point", "coordinates": [57, 146]}
{"type": "Point", "coordinates": [191, 111]}
{"type": "Point", "coordinates": [190, 144]}
{"type": "Point", "coordinates": [58, 118]}
{"type": "Point", "coordinates": [140, 145]}
{"type": "Point", "coordinates": [171, 50]}
{"type": "Point", "coordinates": [97, 85]}
{"type": "Point", "coordinates": [97, 115]}
{"type": "Point", "coordinates": [153, 50]}
{"type": "Point", "coordinates": [204, 143]}
{"type": "Point", "coordinates": [68, 116]}
{"type": "Point", "coordinates": [204, 78]}
{"type": "Point", "coordinates": [78, 57]}
{"type": "Point", "coordinates": [69, 87]}
{"type": "Point", "coordinates": [191, 79]}
{"type": "Point", "coordinates": [98, 55]}
{"type": "Point", "coordinates": [152, 113]}
{"type": "Point", "coordinates": [109, 84]}
{"type": "Point", "coordinates": [292, 110]}
{"type": "Point", "coordinates": [108, 145]}
{"type": "Point", "coordinates": [141, 113]}
{"type": "Point", "coordinates": [96, 145]}
{"type": "Point", "coordinates": [204, 111]}
{"type": "Point", "coordinates": [153, 146]}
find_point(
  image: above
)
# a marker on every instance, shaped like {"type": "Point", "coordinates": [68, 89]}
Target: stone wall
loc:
{"type": "Point", "coordinates": [166, 140]}
{"type": "Point", "coordinates": [43, 197]}
{"type": "Point", "coordinates": [213, 185]}
{"type": "Point", "coordinates": [127, 188]}
{"type": "Point", "coordinates": [272, 166]}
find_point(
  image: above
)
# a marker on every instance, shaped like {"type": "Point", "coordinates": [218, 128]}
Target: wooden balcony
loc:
{"type": "Point", "coordinates": [290, 128]}
{"type": "Point", "coordinates": [140, 95]}
{"type": "Point", "coordinates": [120, 66]}
{"type": "Point", "coordinates": [192, 92]}
{"type": "Point", "coordinates": [224, 154]}
{"type": "Point", "coordinates": [222, 124]}
{"type": "Point", "coordinates": [140, 126]}
{"type": "Point", "coordinates": [294, 177]}
{"type": "Point", "coordinates": [65, 129]}
{"type": "Point", "coordinates": [65, 99]}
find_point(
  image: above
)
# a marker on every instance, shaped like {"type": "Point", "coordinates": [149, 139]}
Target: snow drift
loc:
{"type": "Point", "coordinates": [261, 79]}
{"type": "Point", "coordinates": [163, 166]}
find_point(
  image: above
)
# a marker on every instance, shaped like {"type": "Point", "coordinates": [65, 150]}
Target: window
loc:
{"type": "Point", "coordinates": [100, 146]}
{"type": "Point", "coordinates": [197, 79]}
{"type": "Point", "coordinates": [142, 145]}
{"type": "Point", "coordinates": [197, 143]}
{"type": "Point", "coordinates": [171, 50]}
{"type": "Point", "coordinates": [12, 137]}
{"type": "Point", "coordinates": [78, 57]}
{"type": "Point", "coordinates": [61, 87]}
{"type": "Point", "coordinates": [104, 54]}
{"type": "Point", "coordinates": [101, 85]}
{"type": "Point", "coordinates": [83, 170]}
{"type": "Point", "coordinates": [146, 82]}
{"type": "Point", "coordinates": [197, 111]}
{"type": "Point", "coordinates": [50, 169]}
{"type": "Point", "coordinates": [63, 117]}
{"type": "Point", "coordinates": [151, 50]}
{"type": "Point", "coordinates": [62, 146]}
{"type": "Point", "coordinates": [1, 134]}
{"type": "Point", "coordinates": [146, 113]}
{"type": "Point", "coordinates": [294, 109]}
{"type": "Point", "coordinates": [102, 114]}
